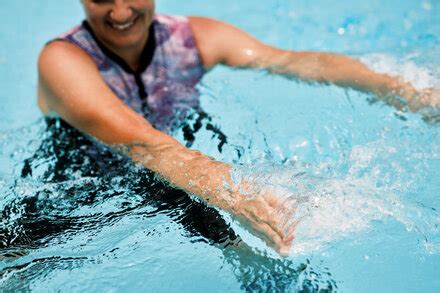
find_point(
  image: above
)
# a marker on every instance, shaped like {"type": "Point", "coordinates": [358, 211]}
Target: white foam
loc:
{"type": "Point", "coordinates": [406, 69]}
{"type": "Point", "coordinates": [339, 208]}
{"type": "Point", "coordinates": [346, 205]}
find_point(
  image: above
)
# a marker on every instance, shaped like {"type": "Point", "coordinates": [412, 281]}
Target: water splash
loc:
{"type": "Point", "coordinates": [329, 209]}
{"type": "Point", "coordinates": [410, 71]}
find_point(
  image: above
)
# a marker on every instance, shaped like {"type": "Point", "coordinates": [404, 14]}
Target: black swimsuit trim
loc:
{"type": "Point", "coordinates": [146, 56]}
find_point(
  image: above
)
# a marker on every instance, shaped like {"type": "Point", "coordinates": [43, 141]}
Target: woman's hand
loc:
{"type": "Point", "coordinates": [426, 98]}
{"type": "Point", "coordinates": [270, 216]}
{"type": "Point", "coordinates": [426, 102]}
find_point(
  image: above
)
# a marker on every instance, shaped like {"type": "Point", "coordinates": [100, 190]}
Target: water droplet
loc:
{"type": "Point", "coordinates": [426, 5]}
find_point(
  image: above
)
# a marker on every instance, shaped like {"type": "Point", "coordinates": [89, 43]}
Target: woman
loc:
{"type": "Point", "coordinates": [126, 75]}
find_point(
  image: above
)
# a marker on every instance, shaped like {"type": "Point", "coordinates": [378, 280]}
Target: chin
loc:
{"type": "Point", "coordinates": [135, 36]}
{"type": "Point", "coordinates": [126, 40]}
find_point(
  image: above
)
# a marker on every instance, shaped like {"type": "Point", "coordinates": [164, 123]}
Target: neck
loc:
{"type": "Point", "coordinates": [131, 59]}
{"type": "Point", "coordinates": [131, 55]}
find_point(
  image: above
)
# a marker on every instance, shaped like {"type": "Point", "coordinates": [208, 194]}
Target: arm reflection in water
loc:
{"type": "Point", "coordinates": [67, 155]}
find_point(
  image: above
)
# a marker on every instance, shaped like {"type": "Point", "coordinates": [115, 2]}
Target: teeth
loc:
{"type": "Point", "coordinates": [123, 26]}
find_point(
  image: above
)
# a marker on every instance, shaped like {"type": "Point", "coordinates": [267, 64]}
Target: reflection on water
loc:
{"type": "Point", "coordinates": [66, 187]}
{"type": "Point", "coordinates": [62, 192]}
{"type": "Point", "coordinates": [70, 205]}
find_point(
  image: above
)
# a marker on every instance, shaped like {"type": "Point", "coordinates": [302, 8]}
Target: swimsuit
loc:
{"type": "Point", "coordinates": [163, 88]}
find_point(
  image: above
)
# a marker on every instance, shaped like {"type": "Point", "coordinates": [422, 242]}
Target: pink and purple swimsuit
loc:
{"type": "Point", "coordinates": [163, 88]}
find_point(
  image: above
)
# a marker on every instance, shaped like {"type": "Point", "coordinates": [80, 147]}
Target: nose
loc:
{"type": "Point", "coordinates": [121, 12]}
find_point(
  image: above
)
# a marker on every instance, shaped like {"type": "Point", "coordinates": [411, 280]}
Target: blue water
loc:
{"type": "Point", "coordinates": [366, 175]}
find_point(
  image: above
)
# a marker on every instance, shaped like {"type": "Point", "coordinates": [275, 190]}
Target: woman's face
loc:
{"type": "Point", "coordinates": [120, 24]}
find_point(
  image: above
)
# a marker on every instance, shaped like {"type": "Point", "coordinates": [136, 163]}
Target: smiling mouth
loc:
{"type": "Point", "coordinates": [123, 26]}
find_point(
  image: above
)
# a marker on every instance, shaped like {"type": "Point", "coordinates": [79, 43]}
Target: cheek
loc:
{"type": "Point", "coordinates": [148, 7]}
{"type": "Point", "coordinates": [95, 12]}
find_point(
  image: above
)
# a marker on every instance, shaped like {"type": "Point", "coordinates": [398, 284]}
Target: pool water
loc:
{"type": "Point", "coordinates": [366, 176]}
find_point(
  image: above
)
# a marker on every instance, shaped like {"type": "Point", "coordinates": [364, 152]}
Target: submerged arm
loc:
{"type": "Point", "coordinates": [71, 86]}
{"type": "Point", "coordinates": [221, 43]}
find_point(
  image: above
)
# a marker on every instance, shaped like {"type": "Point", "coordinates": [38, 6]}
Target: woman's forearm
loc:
{"type": "Point", "coordinates": [266, 213]}
{"type": "Point", "coordinates": [187, 169]}
{"type": "Point", "coordinates": [333, 68]}
{"type": "Point", "coordinates": [342, 71]}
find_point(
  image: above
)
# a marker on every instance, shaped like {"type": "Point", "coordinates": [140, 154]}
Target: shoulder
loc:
{"type": "Point", "coordinates": [60, 47]}
{"type": "Point", "coordinates": [59, 65]}
{"type": "Point", "coordinates": [170, 19]}
{"type": "Point", "coordinates": [221, 42]}
{"type": "Point", "coordinates": [76, 43]}
{"type": "Point", "coordinates": [211, 37]}
{"type": "Point", "coordinates": [60, 53]}
{"type": "Point", "coordinates": [200, 25]}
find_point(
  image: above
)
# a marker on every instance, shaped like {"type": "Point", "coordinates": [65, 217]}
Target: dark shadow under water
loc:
{"type": "Point", "coordinates": [65, 154]}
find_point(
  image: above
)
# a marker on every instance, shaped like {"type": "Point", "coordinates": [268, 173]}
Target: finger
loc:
{"type": "Point", "coordinates": [285, 250]}
{"type": "Point", "coordinates": [272, 200]}
{"type": "Point", "coordinates": [271, 237]}
{"type": "Point", "coordinates": [291, 228]}
{"type": "Point", "coordinates": [289, 239]}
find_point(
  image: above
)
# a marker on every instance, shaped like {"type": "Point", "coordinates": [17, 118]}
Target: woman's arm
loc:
{"type": "Point", "coordinates": [221, 43]}
{"type": "Point", "coordinates": [71, 86]}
